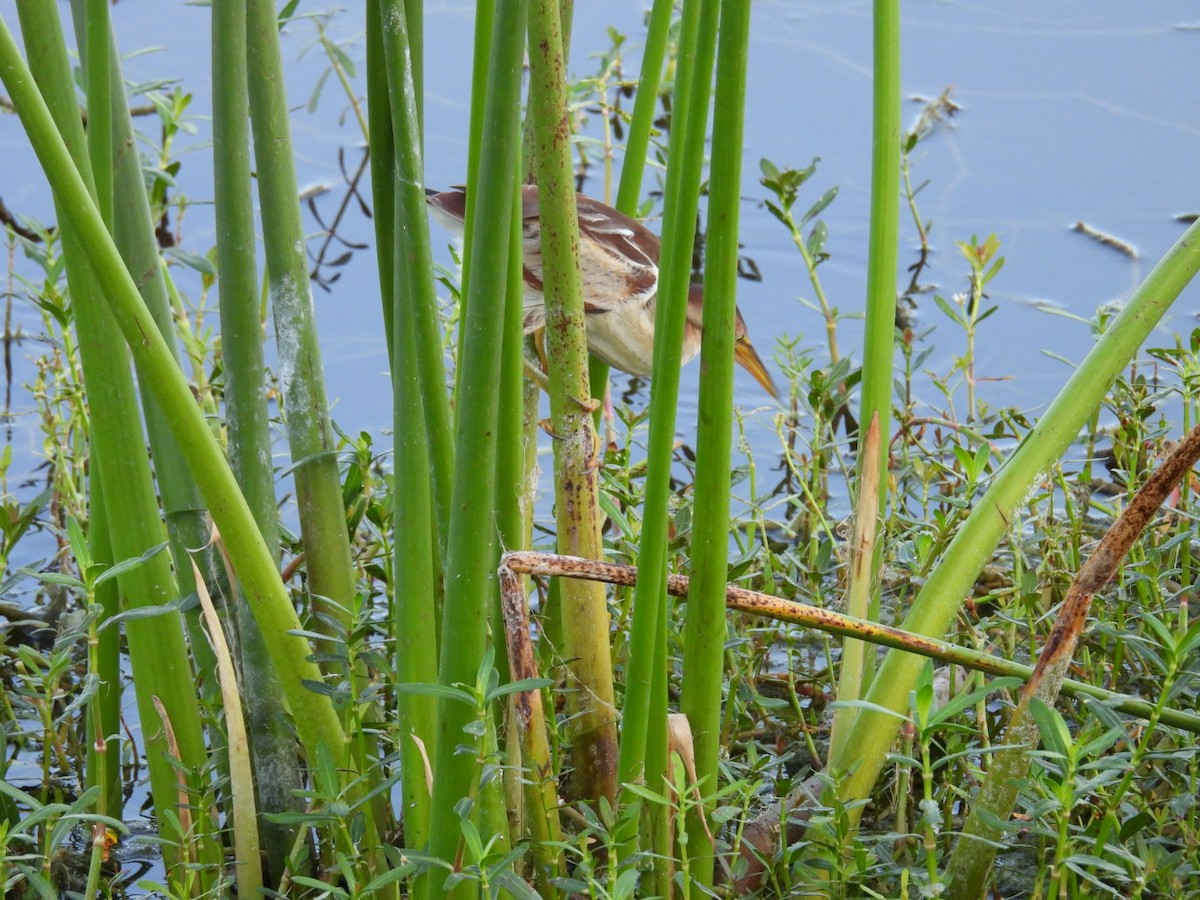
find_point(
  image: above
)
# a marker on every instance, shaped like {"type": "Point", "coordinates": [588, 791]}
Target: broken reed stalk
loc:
{"type": "Point", "coordinates": [541, 785]}
{"type": "Point", "coordinates": [856, 663]}
{"type": "Point", "coordinates": [529, 562]}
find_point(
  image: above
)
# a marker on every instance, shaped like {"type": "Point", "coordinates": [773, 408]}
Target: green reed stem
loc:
{"type": "Point", "coordinates": [879, 341]}
{"type": "Point", "coordinates": [99, 104]}
{"type": "Point", "coordinates": [414, 21]}
{"type": "Point", "coordinates": [383, 168]}
{"type": "Point", "coordinates": [503, 799]}
{"type": "Point", "coordinates": [470, 563]}
{"type": "Point", "coordinates": [414, 272]}
{"type": "Point", "coordinates": [705, 630]}
{"type": "Point", "coordinates": [485, 18]}
{"type": "Point", "coordinates": [514, 489]}
{"type": "Point", "coordinates": [415, 614]}
{"type": "Point", "coordinates": [645, 104]}
{"type": "Point", "coordinates": [103, 726]}
{"type": "Point", "coordinates": [643, 752]}
{"type": "Point", "coordinates": [584, 609]}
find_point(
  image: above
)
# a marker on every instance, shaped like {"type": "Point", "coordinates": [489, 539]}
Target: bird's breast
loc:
{"type": "Point", "coordinates": [624, 338]}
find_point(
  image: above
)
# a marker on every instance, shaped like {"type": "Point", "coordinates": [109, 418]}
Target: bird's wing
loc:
{"type": "Point", "coordinates": [619, 256]}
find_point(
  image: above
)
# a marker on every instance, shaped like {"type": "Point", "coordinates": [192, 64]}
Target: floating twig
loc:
{"type": "Point", "coordinates": [1106, 239]}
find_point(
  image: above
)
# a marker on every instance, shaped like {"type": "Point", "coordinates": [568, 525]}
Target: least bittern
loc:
{"type": "Point", "coordinates": [618, 259]}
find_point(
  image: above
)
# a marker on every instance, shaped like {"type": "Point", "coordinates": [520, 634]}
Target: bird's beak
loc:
{"type": "Point", "coordinates": [748, 358]}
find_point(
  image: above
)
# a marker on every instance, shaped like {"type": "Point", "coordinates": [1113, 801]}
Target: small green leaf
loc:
{"type": "Point", "coordinates": [525, 684]}
{"type": "Point", "coordinates": [816, 240]}
{"type": "Point", "coordinates": [437, 690]}
{"type": "Point", "coordinates": [819, 207]}
{"type": "Point", "coordinates": [951, 311]}
{"type": "Point", "coordinates": [53, 578]}
{"type": "Point", "coordinates": [79, 544]}
{"type": "Point", "coordinates": [1055, 734]}
{"type": "Point", "coordinates": [128, 565]}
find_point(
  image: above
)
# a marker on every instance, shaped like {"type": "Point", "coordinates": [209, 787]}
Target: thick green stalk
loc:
{"type": "Point", "coordinates": [104, 714]}
{"type": "Point", "coordinates": [514, 490]}
{"type": "Point", "coordinates": [880, 329]}
{"type": "Point", "coordinates": [383, 188]}
{"type": "Point", "coordinates": [313, 713]}
{"type": "Point", "coordinates": [310, 437]}
{"type": "Point", "coordinates": [485, 17]}
{"type": "Point", "coordinates": [584, 610]}
{"type": "Point", "coordinates": [494, 815]}
{"type": "Point", "coordinates": [383, 168]}
{"type": "Point", "coordinates": [883, 252]}
{"type": "Point", "coordinates": [414, 21]}
{"type": "Point", "coordinates": [705, 630]}
{"type": "Point", "coordinates": [637, 143]}
{"type": "Point", "coordinates": [95, 43]}
{"type": "Point", "coordinates": [470, 568]}
{"type": "Point", "coordinates": [415, 625]}
{"type": "Point", "coordinates": [158, 651]}
{"type": "Point", "coordinates": [684, 165]}
{"type": "Point", "coordinates": [935, 606]}
{"type": "Point", "coordinates": [272, 744]}
{"type": "Point", "coordinates": [241, 325]}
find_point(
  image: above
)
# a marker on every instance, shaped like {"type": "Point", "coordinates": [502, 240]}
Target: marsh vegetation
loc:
{"type": "Point", "coordinates": [927, 644]}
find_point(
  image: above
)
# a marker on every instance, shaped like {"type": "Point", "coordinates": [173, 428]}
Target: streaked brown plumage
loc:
{"type": "Point", "coordinates": [618, 259]}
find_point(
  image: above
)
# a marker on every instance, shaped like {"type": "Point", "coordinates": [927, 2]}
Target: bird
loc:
{"type": "Point", "coordinates": [618, 261]}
